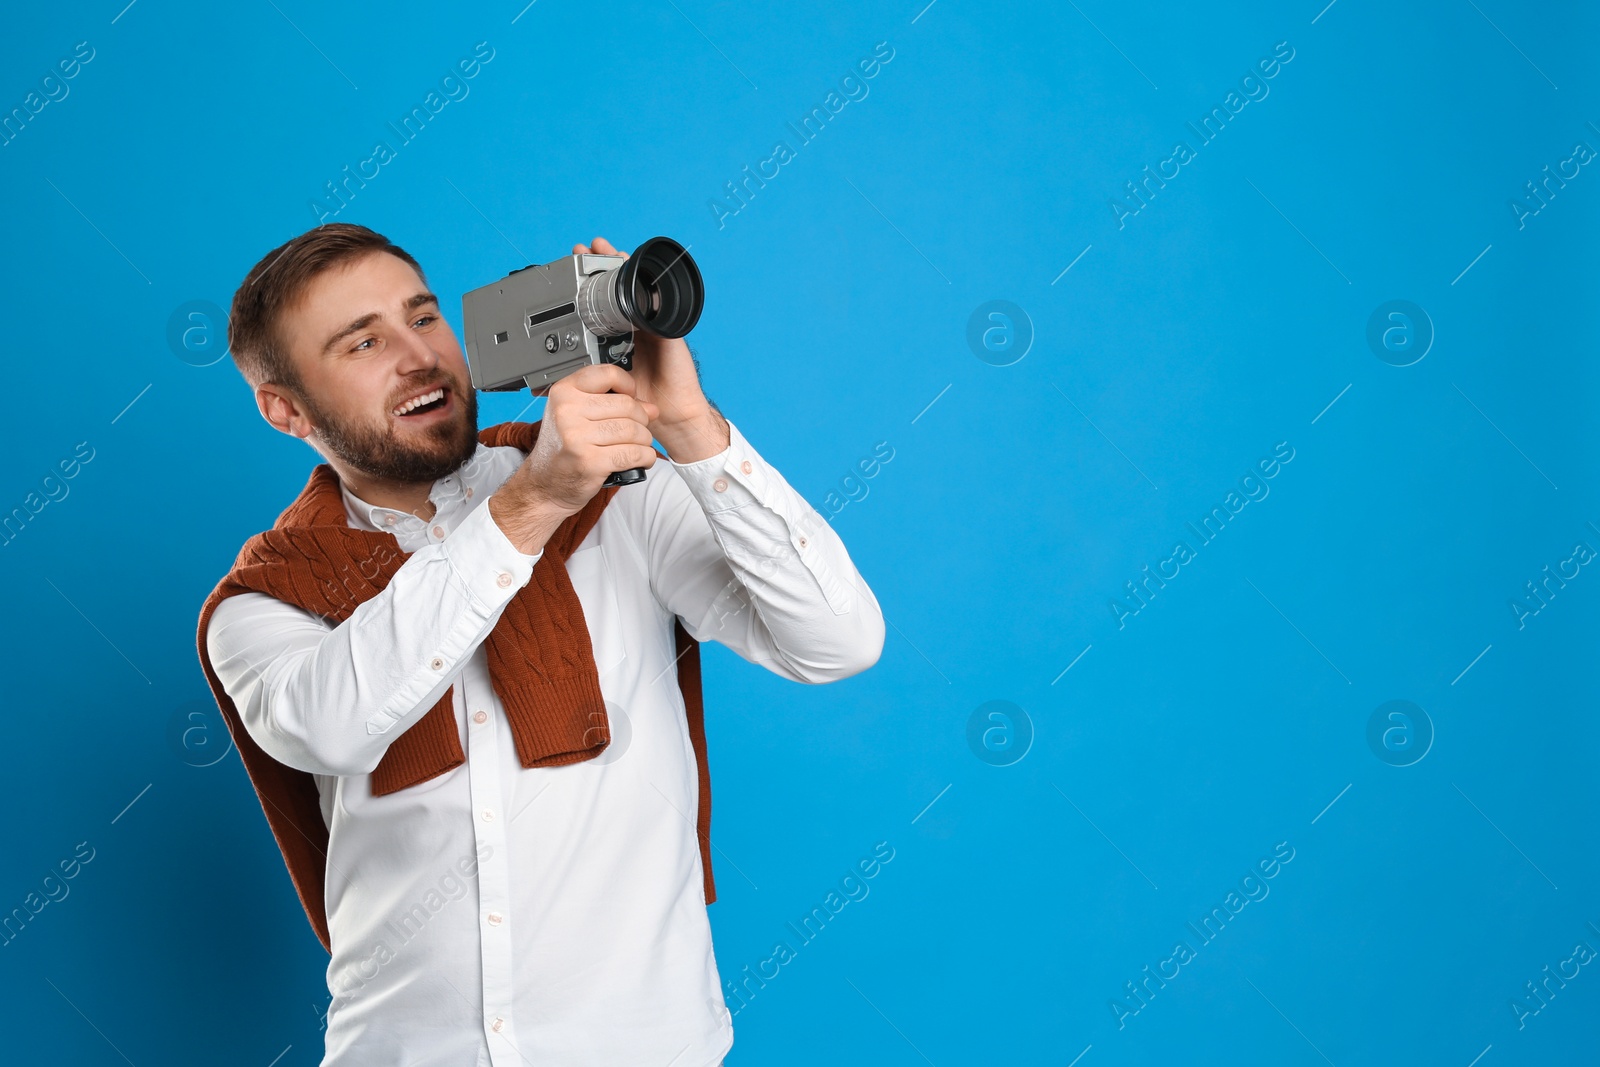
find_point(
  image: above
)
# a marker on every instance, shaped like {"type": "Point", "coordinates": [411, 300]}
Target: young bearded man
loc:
{"type": "Point", "coordinates": [464, 678]}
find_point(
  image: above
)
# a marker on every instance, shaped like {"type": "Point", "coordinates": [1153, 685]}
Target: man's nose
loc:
{"type": "Point", "coordinates": [415, 354]}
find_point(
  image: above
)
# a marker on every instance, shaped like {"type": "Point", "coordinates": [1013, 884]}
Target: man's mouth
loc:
{"type": "Point", "coordinates": [435, 399]}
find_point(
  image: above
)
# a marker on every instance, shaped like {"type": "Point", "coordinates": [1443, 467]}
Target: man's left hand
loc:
{"type": "Point", "coordinates": [688, 426]}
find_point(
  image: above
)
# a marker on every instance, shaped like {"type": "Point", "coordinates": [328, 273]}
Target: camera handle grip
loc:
{"type": "Point", "coordinates": [623, 359]}
{"type": "Point", "coordinates": [627, 477]}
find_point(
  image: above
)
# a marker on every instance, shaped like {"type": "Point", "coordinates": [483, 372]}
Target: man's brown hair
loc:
{"type": "Point", "coordinates": [273, 285]}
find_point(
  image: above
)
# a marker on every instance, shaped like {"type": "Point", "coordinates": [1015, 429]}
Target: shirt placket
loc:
{"type": "Point", "coordinates": [494, 891]}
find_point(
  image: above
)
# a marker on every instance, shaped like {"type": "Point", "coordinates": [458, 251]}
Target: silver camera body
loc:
{"type": "Point", "coordinates": [525, 329]}
{"type": "Point", "coordinates": [541, 323]}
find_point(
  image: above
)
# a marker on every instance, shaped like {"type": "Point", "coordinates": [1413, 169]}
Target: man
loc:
{"type": "Point", "coordinates": [487, 665]}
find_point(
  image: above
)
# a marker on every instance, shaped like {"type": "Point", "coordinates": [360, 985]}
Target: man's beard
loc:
{"type": "Point", "coordinates": [380, 454]}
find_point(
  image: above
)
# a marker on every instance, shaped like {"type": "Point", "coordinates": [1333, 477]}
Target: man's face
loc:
{"type": "Point", "coordinates": [369, 343]}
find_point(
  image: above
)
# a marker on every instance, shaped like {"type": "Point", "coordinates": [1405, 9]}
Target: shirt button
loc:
{"type": "Point", "coordinates": [720, 485]}
{"type": "Point", "coordinates": [504, 580]}
{"type": "Point", "coordinates": [436, 663]}
{"type": "Point", "coordinates": [388, 520]}
{"type": "Point", "coordinates": [497, 1025]}
{"type": "Point", "coordinates": [469, 492]}
{"type": "Point", "coordinates": [480, 716]}
{"type": "Point", "coordinates": [802, 542]}
{"type": "Point", "coordinates": [494, 918]}
{"type": "Point", "coordinates": [745, 466]}
{"type": "Point", "coordinates": [438, 531]}
{"type": "Point", "coordinates": [488, 815]}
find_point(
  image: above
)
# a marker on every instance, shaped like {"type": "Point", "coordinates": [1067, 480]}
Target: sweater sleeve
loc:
{"type": "Point", "coordinates": [330, 699]}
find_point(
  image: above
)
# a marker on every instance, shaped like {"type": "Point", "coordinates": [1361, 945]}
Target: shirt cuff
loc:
{"type": "Point", "coordinates": [732, 478]}
{"type": "Point", "coordinates": [489, 566]}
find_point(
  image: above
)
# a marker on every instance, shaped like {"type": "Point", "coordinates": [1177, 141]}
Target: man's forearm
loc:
{"type": "Point", "coordinates": [331, 700]}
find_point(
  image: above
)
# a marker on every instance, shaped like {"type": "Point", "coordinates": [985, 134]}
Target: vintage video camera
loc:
{"type": "Point", "coordinates": [541, 323]}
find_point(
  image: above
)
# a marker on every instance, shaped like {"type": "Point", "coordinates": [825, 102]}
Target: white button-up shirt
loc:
{"type": "Point", "coordinates": [506, 916]}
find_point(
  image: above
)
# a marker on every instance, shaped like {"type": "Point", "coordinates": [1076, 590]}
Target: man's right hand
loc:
{"type": "Point", "coordinates": [593, 426]}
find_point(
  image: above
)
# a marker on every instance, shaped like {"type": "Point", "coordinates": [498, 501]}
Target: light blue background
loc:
{"type": "Point", "coordinates": [1223, 318]}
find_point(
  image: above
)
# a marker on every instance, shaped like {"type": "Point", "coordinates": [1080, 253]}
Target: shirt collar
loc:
{"type": "Point", "coordinates": [451, 496]}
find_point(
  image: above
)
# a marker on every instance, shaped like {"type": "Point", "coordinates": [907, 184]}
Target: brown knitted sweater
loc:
{"type": "Point", "coordinates": [540, 663]}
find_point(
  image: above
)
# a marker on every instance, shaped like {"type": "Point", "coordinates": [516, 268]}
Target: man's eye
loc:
{"type": "Point", "coordinates": [425, 318]}
{"type": "Point", "coordinates": [363, 344]}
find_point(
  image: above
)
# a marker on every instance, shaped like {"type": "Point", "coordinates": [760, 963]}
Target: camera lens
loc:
{"type": "Point", "coordinates": [658, 289]}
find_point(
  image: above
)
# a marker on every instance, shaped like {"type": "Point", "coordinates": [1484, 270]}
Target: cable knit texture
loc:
{"type": "Point", "coordinates": [540, 662]}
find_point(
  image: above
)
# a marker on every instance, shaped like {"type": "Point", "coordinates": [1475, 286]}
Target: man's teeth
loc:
{"type": "Point", "coordinates": [418, 401]}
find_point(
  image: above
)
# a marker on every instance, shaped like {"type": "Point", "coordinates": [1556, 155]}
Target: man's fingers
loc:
{"type": "Point", "coordinates": [600, 378]}
{"type": "Point", "coordinates": [627, 457]}
{"type": "Point", "coordinates": [600, 247]}
{"type": "Point", "coordinates": [618, 405]}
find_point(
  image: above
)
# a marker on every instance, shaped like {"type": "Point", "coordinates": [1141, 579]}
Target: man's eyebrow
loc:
{"type": "Point", "coordinates": [412, 303]}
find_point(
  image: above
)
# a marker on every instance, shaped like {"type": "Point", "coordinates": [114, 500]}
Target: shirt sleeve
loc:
{"type": "Point", "coordinates": [743, 560]}
{"type": "Point", "coordinates": [331, 699]}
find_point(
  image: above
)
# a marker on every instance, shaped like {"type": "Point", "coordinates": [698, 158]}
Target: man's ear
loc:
{"type": "Point", "coordinates": [283, 410]}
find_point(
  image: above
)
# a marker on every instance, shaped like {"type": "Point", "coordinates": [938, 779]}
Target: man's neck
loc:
{"type": "Point", "coordinates": [411, 497]}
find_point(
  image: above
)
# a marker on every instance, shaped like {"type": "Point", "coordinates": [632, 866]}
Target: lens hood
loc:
{"type": "Point", "coordinates": [659, 288]}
